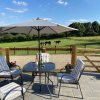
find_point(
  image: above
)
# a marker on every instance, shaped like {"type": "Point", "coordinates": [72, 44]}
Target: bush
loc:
{"type": "Point", "coordinates": [8, 38]}
{"type": "Point", "coordinates": [20, 37]}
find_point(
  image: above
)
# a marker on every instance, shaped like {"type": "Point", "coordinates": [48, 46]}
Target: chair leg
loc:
{"type": "Point", "coordinates": [21, 79]}
{"type": "Point", "coordinates": [77, 86]}
{"type": "Point", "coordinates": [33, 77]}
{"type": "Point", "coordinates": [22, 94]}
{"type": "Point", "coordinates": [45, 78]}
{"type": "Point", "coordinates": [80, 90]}
{"type": "Point", "coordinates": [59, 89]}
{"type": "Point", "coordinates": [49, 91]}
{"type": "Point", "coordinates": [57, 83]}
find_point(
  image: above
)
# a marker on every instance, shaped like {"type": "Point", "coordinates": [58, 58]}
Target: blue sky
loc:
{"type": "Point", "coordinates": [60, 11]}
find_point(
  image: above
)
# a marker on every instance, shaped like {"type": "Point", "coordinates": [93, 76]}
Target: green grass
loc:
{"type": "Point", "coordinates": [79, 41]}
{"type": "Point", "coordinates": [64, 42]}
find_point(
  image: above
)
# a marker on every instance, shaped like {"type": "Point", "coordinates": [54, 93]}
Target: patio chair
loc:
{"type": "Point", "coordinates": [44, 57]}
{"type": "Point", "coordinates": [11, 91]}
{"type": "Point", "coordinates": [6, 72]}
{"type": "Point", "coordinates": [73, 77]}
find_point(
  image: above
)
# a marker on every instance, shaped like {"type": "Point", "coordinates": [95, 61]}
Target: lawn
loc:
{"type": "Point", "coordinates": [64, 42]}
{"type": "Point", "coordinates": [79, 41]}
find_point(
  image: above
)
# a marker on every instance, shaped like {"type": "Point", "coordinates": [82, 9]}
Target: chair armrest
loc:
{"type": "Point", "coordinates": [12, 90]}
{"type": "Point", "coordinates": [63, 76]}
{"type": "Point", "coordinates": [7, 71]}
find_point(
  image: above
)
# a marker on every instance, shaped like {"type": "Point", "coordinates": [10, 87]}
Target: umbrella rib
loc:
{"type": "Point", "coordinates": [30, 30]}
{"type": "Point", "coordinates": [52, 29]}
{"type": "Point", "coordinates": [7, 29]}
{"type": "Point", "coordinates": [42, 27]}
{"type": "Point", "coordinates": [38, 28]}
{"type": "Point", "coordinates": [34, 28]}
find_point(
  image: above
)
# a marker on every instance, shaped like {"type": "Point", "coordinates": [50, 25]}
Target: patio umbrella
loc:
{"type": "Point", "coordinates": [36, 26]}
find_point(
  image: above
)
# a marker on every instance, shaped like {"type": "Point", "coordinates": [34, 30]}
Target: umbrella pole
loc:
{"type": "Point", "coordinates": [39, 65]}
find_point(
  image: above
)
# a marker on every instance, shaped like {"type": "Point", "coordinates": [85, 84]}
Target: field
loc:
{"type": "Point", "coordinates": [64, 42]}
{"type": "Point", "coordinates": [91, 42]}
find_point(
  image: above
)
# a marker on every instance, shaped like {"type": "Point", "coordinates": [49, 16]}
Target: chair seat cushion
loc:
{"type": "Point", "coordinates": [7, 74]}
{"type": "Point", "coordinates": [14, 92]}
{"type": "Point", "coordinates": [67, 78]}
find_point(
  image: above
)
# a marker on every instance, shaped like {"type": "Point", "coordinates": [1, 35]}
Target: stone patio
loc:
{"type": "Point", "coordinates": [89, 82]}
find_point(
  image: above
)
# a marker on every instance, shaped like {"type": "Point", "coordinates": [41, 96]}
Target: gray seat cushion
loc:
{"type": "Point", "coordinates": [7, 74]}
{"type": "Point", "coordinates": [67, 78]}
{"type": "Point", "coordinates": [15, 91]}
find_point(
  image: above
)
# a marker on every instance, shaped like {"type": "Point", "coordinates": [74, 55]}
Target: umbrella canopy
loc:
{"type": "Point", "coordinates": [39, 26]}
{"type": "Point", "coordinates": [35, 25]}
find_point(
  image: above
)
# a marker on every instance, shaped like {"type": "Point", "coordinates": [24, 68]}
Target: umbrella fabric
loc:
{"type": "Point", "coordinates": [36, 26]}
{"type": "Point", "coordinates": [32, 26]}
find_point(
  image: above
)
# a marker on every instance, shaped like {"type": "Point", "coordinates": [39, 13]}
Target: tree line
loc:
{"type": "Point", "coordinates": [84, 29]}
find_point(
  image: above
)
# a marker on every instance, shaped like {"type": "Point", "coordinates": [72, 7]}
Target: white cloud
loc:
{"type": "Point", "coordinates": [17, 10]}
{"type": "Point", "coordinates": [63, 2]}
{"type": "Point", "coordinates": [78, 20]}
{"type": "Point", "coordinates": [3, 23]}
{"type": "Point", "coordinates": [47, 18]}
{"type": "Point", "coordinates": [20, 3]}
{"type": "Point", "coordinates": [2, 14]}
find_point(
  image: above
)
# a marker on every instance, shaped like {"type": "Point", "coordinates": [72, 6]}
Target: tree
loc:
{"type": "Point", "coordinates": [80, 27]}
{"type": "Point", "coordinates": [88, 26]}
{"type": "Point", "coordinates": [99, 30]}
{"type": "Point", "coordinates": [28, 37]}
{"type": "Point", "coordinates": [8, 37]}
{"type": "Point", "coordinates": [95, 26]}
{"type": "Point", "coordinates": [20, 37]}
{"type": "Point", "coordinates": [91, 33]}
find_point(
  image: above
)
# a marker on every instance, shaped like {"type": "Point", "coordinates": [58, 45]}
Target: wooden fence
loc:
{"type": "Point", "coordinates": [74, 53]}
{"type": "Point", "coordinates": [28, 49]}
{"type": "Point", "coordinates": [88, 53]}
{"type": "Point", "coordinates": [72, 49]}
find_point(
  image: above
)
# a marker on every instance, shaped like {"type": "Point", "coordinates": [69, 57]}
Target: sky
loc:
{"type": "Point", "coordinates": [60, 11]}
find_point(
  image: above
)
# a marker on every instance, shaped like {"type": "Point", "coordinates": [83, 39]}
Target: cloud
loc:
{"type": "Point", "coordinates": [17, 10]}
{"type": "Point", "coordinates": [62, 2]}
{"type": "Point", "coordinates": [20, 3]}
{"type": "Point", "coordinates": [78, 20]}
{"type": "Point", "coordinates": [2, 14]}
{"type": "Point", "coordinates": [47, 19]}
{"type": "Point", "coordinates": [3, 23]}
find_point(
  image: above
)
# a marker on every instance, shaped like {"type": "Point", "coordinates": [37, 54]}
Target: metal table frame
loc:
{"type": "Point", "coordinates": [35, 73]}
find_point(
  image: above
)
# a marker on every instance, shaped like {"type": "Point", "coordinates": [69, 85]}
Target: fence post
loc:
{"type": "Point", "coordinates": [27, 50]}
{"type": "Point", "coordinates": [74, 55]}
{"type": "Point", "coordinates": [0, 51]}
{"type": "Point", "coordinates": [43, 50]}
{"type": "Point", "coordinates": [55, 49]}
{"type": "Point", "coordinates": [7, 55]}
{"type": "Point", "coordinates": [14, 50]}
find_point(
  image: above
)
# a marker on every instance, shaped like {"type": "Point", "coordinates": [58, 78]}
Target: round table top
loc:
{"type": "Point", "coordinates": [45, 67]}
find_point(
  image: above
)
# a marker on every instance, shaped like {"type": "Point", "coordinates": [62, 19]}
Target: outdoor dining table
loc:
{"type": "Point", "coordinates": [45, 68]}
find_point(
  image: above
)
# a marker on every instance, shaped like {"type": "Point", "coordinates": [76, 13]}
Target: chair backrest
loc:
{"type": "Point", "coordinates": [44, 57]}
{"type": "Point", "coordinates": [78, 69]}
{"type": "Point", "coordinates": [3, 64]}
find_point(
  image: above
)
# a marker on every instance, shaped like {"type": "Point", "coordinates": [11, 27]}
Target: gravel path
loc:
{"type": "Point", "coordinates": [59, 59]}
